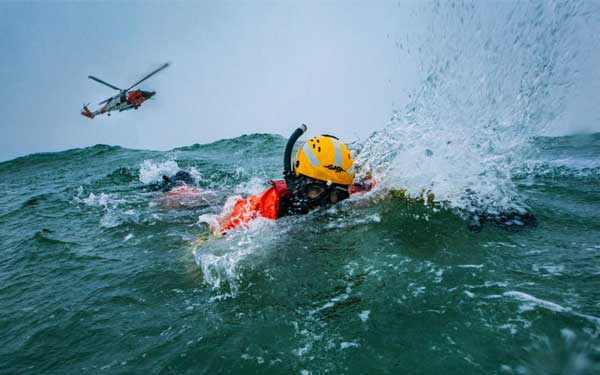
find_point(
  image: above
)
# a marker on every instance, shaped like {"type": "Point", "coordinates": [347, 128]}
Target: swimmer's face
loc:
{"type": "Point", "coordinates": [314, 191]}
{"type": "Point", "coordinates": [318, 191]}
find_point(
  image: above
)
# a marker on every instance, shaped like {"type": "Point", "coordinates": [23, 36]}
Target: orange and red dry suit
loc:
{"type": "Point", "coordinates": [266, 204]}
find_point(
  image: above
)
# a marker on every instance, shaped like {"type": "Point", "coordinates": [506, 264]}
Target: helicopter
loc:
{"type": "Point", "coordinates": [125, 99]}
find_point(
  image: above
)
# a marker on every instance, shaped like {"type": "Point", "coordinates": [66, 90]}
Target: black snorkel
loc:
{"type": "Point", "coordinates": [294, 202]}
{"type": "Point", "coordinates": [288, 171]}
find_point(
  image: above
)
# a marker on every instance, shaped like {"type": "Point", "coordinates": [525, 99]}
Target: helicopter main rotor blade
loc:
{"type": "Point", "coordinates": [104, 83]}
{"type": "Point", "coordinates": [149, 75]}
{"type": "Point", "coordinates": [104, 101]}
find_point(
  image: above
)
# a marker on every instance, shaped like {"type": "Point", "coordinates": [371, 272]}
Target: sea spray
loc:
{"type": "Point", "coordinates": [491, 81]}
{"type": "Point", "coordinates": [223, 259]}
{"type": "Point", "coordinates": [151, 171]}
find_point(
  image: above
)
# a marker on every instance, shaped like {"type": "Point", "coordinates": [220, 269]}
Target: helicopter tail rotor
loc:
{"type": "Point", "coordinates": [86, 112]}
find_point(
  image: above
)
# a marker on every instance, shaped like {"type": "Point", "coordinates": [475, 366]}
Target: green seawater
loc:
{"type": "Point", "coordinates": [99, 275]}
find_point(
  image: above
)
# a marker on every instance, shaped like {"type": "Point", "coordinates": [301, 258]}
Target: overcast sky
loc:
{"type": "Point", "coordinates": [237, 68]}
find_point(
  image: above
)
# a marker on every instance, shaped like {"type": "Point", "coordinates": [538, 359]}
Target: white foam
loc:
{"type": "Point", "coordinates": [102, 200]}
{"type": "Point", "coordinates": [350, 344]}
{"type": "Point", "coordinates": [550, 269]}
{"type": "Point", "coordinates": [196, 175]}
{"type": "Point", "coordinates": [110, 204]}
{"type": "Point", "coordinates": [511, 327]}
{"type": "Point", "coordinates": [536, 301]}
{"type": "Point", "coordinates": [364, 315]}
{"type": "Point", "coordinates": [341, 223]}
{"type": "Point", "coordinates": [533, 302]}
{"type": "Point", "coordinates": [300, 352]}
{"type": "Point", "coordinates": [568, 335]}
{"type": "Point", "coordinates": [222, 259]}
{"type": "Point", "coordinates": [253, 186]}
{"type": "Point", "coordinates": [151, 171]}
{"type": "Point", "coordinates": [470, 266]}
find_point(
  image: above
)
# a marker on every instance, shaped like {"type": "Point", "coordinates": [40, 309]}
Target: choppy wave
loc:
{"type": "Point", "coordinates": [330, 283]}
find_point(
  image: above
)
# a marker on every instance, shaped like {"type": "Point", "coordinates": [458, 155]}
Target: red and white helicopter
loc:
{"type": "Point", "coordinates": [125, 99]}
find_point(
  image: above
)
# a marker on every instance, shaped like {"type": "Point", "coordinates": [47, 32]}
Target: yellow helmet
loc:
{"type": "Point", "coordinates": [325, 158]}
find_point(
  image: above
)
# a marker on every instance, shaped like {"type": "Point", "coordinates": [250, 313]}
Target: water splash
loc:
{"type": "Point", "coordinates": [491, 80]}
{"type": "Point", "coordinates": [110, 204]}
{"type": "Point", "coordinates": [153, 171]}
{"type": "Point", "coordinates": [223, 260]}
{"type": "Point", "coordinates": [253, 186]}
